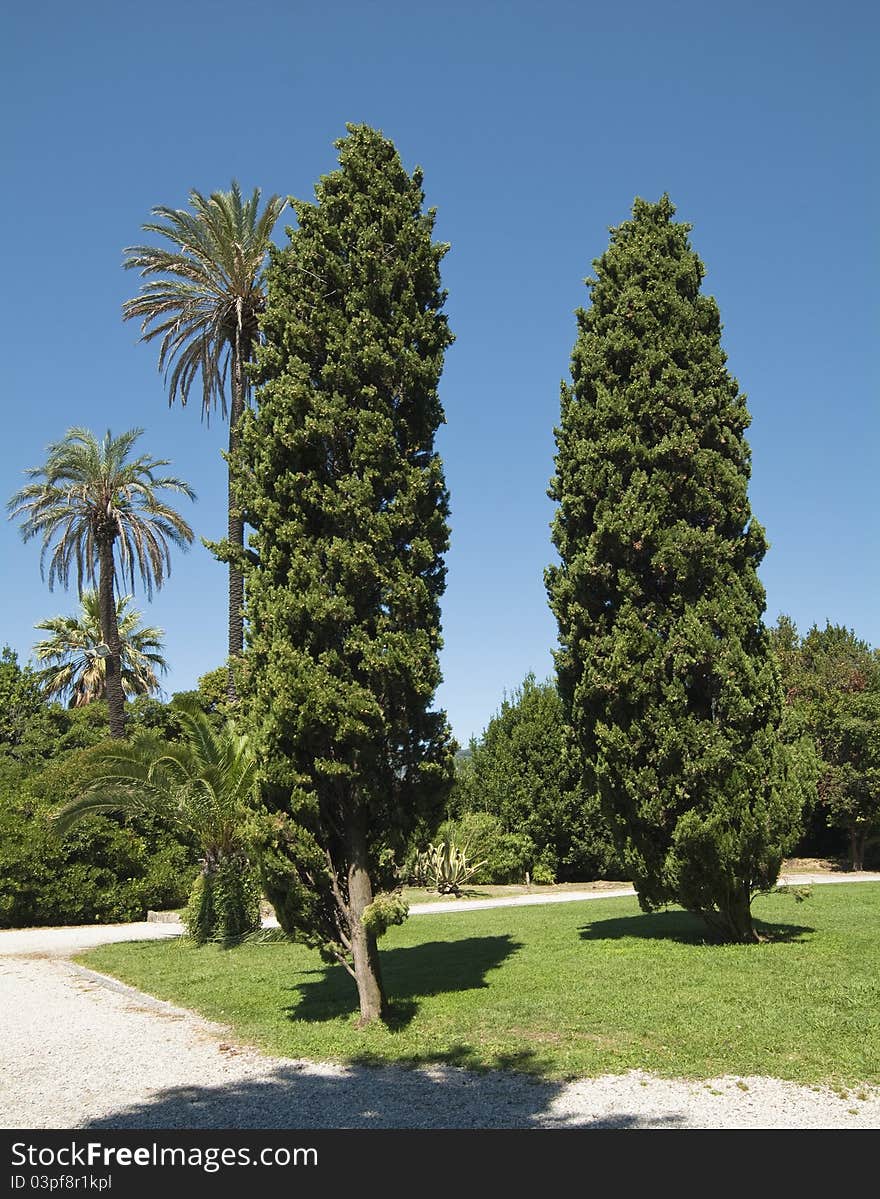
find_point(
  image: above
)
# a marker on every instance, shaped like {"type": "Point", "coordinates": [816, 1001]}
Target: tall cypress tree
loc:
{"type": "Point", "coordinates": [664, 664]}
{"type": "Point", "coordinates": [341, 482]}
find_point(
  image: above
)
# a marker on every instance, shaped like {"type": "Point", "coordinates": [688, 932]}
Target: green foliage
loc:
{"type": "Point", "coordinates": [387, 908]}
{"type": "Point", "coordinates": [832, 684]}
{"type": "Point", "coordinates": [543, 874]}
{"type": "Point", "coordinates": [35, 732]}
{"type": "Point", "coordinates": [224, 903]}
{"type": "Point", "coordinates": [664, 665]}
{"type": "Point", "coordinates": [296, 880]}
{"type": "Point", "coordinates": [213, 689]}
{"type": "Point", "coordinates": [505, 857]}
{"type": "Point", "coordinates": [203, 784]}
{"type": "Point", "coordinates": [27, 726]}
{"type": "Point", "coordinates": [339, 478]}
{"type": "Point", "coordinates": [107, 869]}
{"type": "Point", "coordinates": [520, 771]}
{"type": "Point", "coordinates": [211, 696]}
{"type": "Point", "coordinates": [206, 781]}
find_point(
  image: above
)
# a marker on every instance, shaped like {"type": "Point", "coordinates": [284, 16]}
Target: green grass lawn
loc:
{"type": "Point", "coordinates": [564, 990]}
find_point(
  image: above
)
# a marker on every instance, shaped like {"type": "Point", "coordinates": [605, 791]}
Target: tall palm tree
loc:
{"type": "Point", "coordinates": [74, 667]}
{"type": "Point", "coordinates": [206, 784]}
{"type": "Point", "coordinates": [205, 308]}
{"type": "Point", "coordinates": [95, 506]}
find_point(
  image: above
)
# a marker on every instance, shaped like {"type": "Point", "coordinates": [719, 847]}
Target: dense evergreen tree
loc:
{"type": "Point", "coordinates": [340, 480]}
{"type": "Point", "coordinates": [664, 663]}
{"type": "Point", "coordinates": [521, 773]}
{"type": "Point", "coordinates": [832, 683]}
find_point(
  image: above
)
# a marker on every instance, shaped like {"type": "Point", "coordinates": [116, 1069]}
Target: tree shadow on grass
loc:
{"type": "Point", "coordinates": [683, 927]}
{"type": "Point", "coordinates": [525, 1063]}
{"type": "Point", "coordinates": [431, 968]}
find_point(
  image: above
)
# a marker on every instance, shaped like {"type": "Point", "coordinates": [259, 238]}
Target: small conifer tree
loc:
{"type": "Point", "coordinates": [664, 662]}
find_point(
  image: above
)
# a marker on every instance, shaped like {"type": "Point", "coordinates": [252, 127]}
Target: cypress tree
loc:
{"type": "Point", "coordinates": [664, 663]}
{"type": "Point", "coordinates": [520, 772]}
{"type": "Point", "coordinates": [832, 680]}
{"type": "Point", "coordinates": [341, 482]}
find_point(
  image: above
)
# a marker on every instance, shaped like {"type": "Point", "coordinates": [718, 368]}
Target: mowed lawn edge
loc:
{"type": "Point", "coordinates": [562, 991]}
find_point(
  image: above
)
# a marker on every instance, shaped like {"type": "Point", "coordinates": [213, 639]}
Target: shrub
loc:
{"type": "Point", "coordinates": [506, 857]}
{"type": "Point", "coordinates": [224, 904]}
{"type": "Point", "coordinates": [108, 869]}
{"type": "Point", "coordinates": [544, 871]}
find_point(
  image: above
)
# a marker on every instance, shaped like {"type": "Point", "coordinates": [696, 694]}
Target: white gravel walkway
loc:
{"type": "Point", "coordinates": [80, 1051]}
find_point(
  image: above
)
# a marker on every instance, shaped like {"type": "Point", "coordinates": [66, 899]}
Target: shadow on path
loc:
{"type": "Point", "coordinates": [307, 1096]}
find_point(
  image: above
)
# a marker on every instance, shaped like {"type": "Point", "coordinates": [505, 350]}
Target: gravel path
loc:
{"type": "Point", "coordinates": [78, 1050]}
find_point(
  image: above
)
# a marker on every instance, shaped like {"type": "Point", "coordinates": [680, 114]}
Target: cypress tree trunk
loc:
{"type": "Point", "coordinates": [365, 950]}
{"type": "Point", "coordinates": [736, 916]}
{"type": "Point", "coordinates": [235, 524]}
{"type": "Point", "coordinates": [110, 634]}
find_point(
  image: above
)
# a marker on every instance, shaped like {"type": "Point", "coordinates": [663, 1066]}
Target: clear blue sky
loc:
{"type": "Point", "coordinates": [536, 125]}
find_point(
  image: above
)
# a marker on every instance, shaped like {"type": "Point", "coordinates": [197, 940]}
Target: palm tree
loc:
{"type": "Point", "coordinates": [76, 668]}
{"type": "Point", "coordinates": [93, 505]}
{"type": "Point", "coordinates": [206, 784]}
{"type": "Point", "coordinates": [205, 309]}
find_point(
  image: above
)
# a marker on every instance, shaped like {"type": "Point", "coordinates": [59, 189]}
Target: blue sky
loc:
{"type": "Point", "coordinates": [536, 125]}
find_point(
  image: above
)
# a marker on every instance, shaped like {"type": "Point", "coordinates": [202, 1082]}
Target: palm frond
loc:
{"type": "Point", "coordinates": [205, 783]}
{"type": "Point", "coordinates": [73, 668]}
{"type": "Point", "coordinates": [202, 287]}
{"type": "Point", "coordinates": [85, 482]}
{"type": "Point", "coordinates": [134, 801]}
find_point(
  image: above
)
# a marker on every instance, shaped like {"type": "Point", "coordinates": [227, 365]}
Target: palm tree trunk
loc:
{"type": "Point", "coordinates": [235, 524]}
{"type": "Point", "coordinates": [110, 635]}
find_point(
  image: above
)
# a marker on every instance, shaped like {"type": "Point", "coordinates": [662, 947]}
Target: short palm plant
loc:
{"type": "Point", "coordinates": [205, 784]}
{"type": "Point", "coordinates": [73, 666]}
